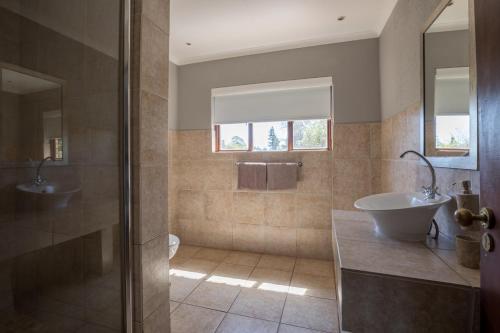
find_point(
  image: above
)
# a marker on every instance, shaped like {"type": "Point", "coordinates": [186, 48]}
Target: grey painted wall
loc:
{"type": "Point", "coordinates": [400, 55]}
{"type": "Point", "coordinates": [173, 113]}
{"type": "Point", "coordinates": [354, 67]}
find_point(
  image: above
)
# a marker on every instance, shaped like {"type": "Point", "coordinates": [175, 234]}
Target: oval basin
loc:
{"type": "Point", "coordinates": [51, 195]}
{"type": "Point", "coordinates": [402, 216]}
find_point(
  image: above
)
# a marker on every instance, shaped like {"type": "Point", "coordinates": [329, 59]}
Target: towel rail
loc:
{"type": "Point", "coordinates": [299, 164]}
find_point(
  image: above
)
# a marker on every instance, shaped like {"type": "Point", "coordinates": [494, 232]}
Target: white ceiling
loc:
{"type": "Point", "coordinates": [453, 17]}
{"type": "Point", "coordinates": [220, 29]}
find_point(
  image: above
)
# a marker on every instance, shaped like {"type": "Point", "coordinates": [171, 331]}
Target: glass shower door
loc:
{"type": "Point", "coordinates": [60, 170]}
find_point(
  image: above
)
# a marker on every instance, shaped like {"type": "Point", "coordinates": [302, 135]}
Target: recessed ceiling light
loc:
{"type": "Point", "coordinates": [188, 44]}
{"type": "Point", "coordinates": [340, 18]}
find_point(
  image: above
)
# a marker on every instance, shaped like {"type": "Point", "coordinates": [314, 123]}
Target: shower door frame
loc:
{"type": "Point", "coordinates": [125, 161]}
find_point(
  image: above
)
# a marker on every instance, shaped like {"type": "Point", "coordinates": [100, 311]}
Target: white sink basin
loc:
{"type": "Point", "coordinates": [402, 216]}
{"type": "Point", "coordinates": [50, 195]}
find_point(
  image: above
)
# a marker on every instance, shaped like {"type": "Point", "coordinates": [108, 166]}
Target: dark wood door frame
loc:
{"type": "Point", "coordinates": [488, 90]}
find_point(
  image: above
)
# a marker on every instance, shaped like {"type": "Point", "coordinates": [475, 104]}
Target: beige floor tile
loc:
{"type": "Point", "coordinates": [281, 263]}
{"type": "Point", "coordinates": [312, 285]}
{"type": "Point", "coordinates": [213, 296]}
{"type": "Point", "coordinates": [311, 312]}
{"type": "Point", "coordinates": [314, 267]}
{"type": "Point", "coordinates": [233, 271]}
{"type": "Point", "coordinates": [187, 251]}
{"type": "Point", "coordinates": [198, 266]}
{"type": "Point", "coordinates": [211, 254]}
{"type": "Point", "coordinates": [270, 279]}
{"type": "Point", "coordinates": [243, 258]}
{"type": "Point", "coordinates": [193, 319]}
{"type": "Point", "coordinates": [173, 306]}
{"type": "Point", "coordinates": [294, 329]}
{"type": "Point", "coordinates": [238, 324]}
{"type": "Point", "coordinates": [181, 287]}
{"type": "Point", "coordinates": [259, 304]}
{"type": "Point", "coordinates": [177, 261]}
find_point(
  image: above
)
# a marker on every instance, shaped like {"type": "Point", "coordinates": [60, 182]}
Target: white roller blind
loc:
{"type": "Point", "coordinates": [451, 88]}
{"type": "Point", "coordinates": [276, 101]}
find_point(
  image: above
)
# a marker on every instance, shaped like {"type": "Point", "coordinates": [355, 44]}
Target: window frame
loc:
{"type": "Point", "coordinates": [217, 146]}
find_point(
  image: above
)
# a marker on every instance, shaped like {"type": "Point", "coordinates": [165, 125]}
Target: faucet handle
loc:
{"type": "Point", "coordinates": [430, 192]}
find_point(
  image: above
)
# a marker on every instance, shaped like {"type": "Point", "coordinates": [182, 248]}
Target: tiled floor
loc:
{"type": "Point", "coordinates": [240, 292]}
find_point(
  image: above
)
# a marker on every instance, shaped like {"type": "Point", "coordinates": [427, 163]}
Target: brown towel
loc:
{"type": "Point", "coordinates": [282, 176]}
{"type": "Point", "coordinates": [252, 176]}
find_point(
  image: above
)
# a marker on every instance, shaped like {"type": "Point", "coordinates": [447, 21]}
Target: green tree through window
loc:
{"type": "Point", "coordinates": [272, 140]}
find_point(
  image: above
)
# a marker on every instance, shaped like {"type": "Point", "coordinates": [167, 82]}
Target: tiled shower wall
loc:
{"type": "Point", "coordinates": [207, 209]}
{"type": "Point", "coordinates": [149, 84]}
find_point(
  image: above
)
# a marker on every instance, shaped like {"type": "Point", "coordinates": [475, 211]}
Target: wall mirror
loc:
{"type": "Point", "coordinates": [450, 102]}
{"type": "Point", "coordinates": [31, 117]}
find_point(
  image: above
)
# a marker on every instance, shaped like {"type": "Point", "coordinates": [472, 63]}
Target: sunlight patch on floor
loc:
{"type": "Point", "coordinates": [231, 281]}
{"type": "Point", "coordinates": [187, 274]}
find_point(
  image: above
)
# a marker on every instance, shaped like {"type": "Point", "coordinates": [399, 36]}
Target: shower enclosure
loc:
{"type": "Point", "coordinates": [64, 184]}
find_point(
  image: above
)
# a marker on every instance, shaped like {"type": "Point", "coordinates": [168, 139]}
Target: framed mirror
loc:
{"type": "Point", "coordinates": [31, 117]}
{"type": "Point", "coordinates": [449, 79]}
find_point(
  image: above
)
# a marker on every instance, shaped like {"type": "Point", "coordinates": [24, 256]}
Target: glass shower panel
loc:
{"type": "Point", "coordinates": [60, 265]}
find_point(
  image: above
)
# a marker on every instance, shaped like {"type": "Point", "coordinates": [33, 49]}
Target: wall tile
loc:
{"type": "Point", "coordinates": [154, 58]}
{"type": "Point", "coordinates": [153, 129]}
{"type": "Point", "coordinates": [191, 204]}
{"type": "Point", "coordinates": [218, 174]}
{"type": "Point", "coordinates": [156, 11]}
{"type": "Point", "coordinates": [249, 207]}
{"type": "Point", "coordinates": [154, 275]}
{"type": "Point", "coordinates": [315, 173]}
{"type": "Point", "coordinates": [313, 211]}
{"type": "Point", "coordinates": [279, 209]}
{"type": "Point", "coordinates": [387, 139]}
{"type": "Point", "coordinates": [281, 241]}
{"type": "Point", "coordinates": [313, 243]}
{"type": "Point", "coordinates": [153, 212]}
{"type": "Point", "coordinates": [375, 141]}
{"type": "Point", "coordinates": [191, 145]}
{"type": "Point", "coordinates": [249, 237]}
{"type": "Point", "coordinates": [158, 321]}
{"type": "Point", "coordinates": [218, 205]}
{"type": "Point", "coordinates": [399, 133]}
{"type": "Point", "coordinates": [351, 176]}
{"type": "Point", "coordinates": [351, 141]}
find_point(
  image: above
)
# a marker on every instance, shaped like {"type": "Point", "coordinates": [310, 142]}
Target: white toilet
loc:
{"type": "Point", "coordinates": [173, 245]}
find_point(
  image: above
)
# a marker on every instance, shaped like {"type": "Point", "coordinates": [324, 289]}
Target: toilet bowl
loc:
{"type": "Point", "coordinates": [173, 245]}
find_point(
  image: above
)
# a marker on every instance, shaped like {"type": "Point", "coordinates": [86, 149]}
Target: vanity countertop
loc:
{"type": "Point", "coordinates": [361, 248]}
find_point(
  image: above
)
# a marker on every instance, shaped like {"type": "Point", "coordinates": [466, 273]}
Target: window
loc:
{"type": "Point", "coordinates": [277, 116]}
{"type": "Point", "coordinates": [452, 132]}
{"type": "Point", "coordinates": [234, 137]}
{"type": "Point", "coordinates": [310, 134]}
{"type": "Point", "coordinates": [271, 136]}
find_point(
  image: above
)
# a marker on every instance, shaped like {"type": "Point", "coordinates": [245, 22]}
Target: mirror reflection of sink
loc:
{"type": "Point", "coordinates": [402, 216]}
{"type": "Point", "coordinates": [52, 195]}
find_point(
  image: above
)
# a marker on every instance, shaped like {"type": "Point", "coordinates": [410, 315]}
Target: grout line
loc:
{"type": "Point", "coordinates": [286, 295]}
{"type": "Point", "coordinates": [232, 303]}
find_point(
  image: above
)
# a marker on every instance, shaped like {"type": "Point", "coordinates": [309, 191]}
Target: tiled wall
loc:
{"type": "Point", "coordinates": [401, 132]}
{"type": "Point", "coordinates": [149, 81]}
{"type": "Point", "coordinates": [207, 209]}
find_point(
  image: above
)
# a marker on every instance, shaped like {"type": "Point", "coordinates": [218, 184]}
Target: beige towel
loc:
{"type": "Point", "coordinates": [252, 176]}
{"type": "Point", "coordinates": [282, 176]}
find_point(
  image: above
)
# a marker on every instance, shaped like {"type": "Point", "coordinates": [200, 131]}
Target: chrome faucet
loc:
{"type": "Point", "coordinates": [429, 191]}
{"type": "Point", "coordinates": [38, 179]}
